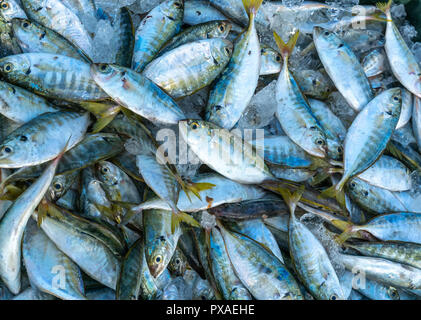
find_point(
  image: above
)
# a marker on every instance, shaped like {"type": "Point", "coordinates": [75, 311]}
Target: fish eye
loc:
{"type": "Point", "coordinates": [5, 5]}
{"type": "Point", "coordinates": [395, 98]}
{"type": "Point", "coordinates": [333, 297]}
{"type": "Point", "coordinates": [366, 193]}
{"type": "Point", "coordinates": [320, 142]}
{"type": "Point", "coordinates": [178, 4]}
{"type": "Point", "coordinates": [194, 125]}
{"type": "Point", "coordinates": [25, 24]}
{"type": "Point", "coordinates": [158, 259]}
{"type": "Point", "coordinates": [327, 33]}
{"type": "Point", "coordinates": [393, 293]}
{"type": "Point", "coordinates": [340, 149]}
{"type": "Point", "coordinates": [177, 261]}
{"type": "Point", "coordinates": [222, 28]}
{"type": "Point", "coordinates": [262, 51]}
{"type": "Point", "coordinates": [7, 149]}
{"type": "Point", "coordinates": [23, 138]}
{"type": "Point", "coordinates": [104, 170]}
{"type": "Point", "coordinates": [103, 68]}
{"type": "Point", "coordinates": [278, 58]}
{"type": "Point", "coordinates": [352, 184]}
{"type": "Point", "coordinates": [57, 186]}
{"type": "Point", "coordinates": [8, 67]}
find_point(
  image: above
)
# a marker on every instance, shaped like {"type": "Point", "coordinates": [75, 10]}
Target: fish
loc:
{"type": "Point", "coordinates": [231, 93]}
{"type": "Point", "coordinates": [55, 15]}
{"type": "Point", "coordinates": [13, 224]}
{"type": "Point", "coordinates": [20, 105]}
{"type": "Point", "coordinates": [391, 273]}
{"type": "Point", "coordinates": [160, 25]}
{"type": "Point", "coordinates": [37, 141]}
{"type": "Point", "coordinates": [401, 59]}
{"type": "Point", "coordinates": [160, 240]}
{"type": "Point", "coordinates": [338, 60]}
{"type": "Point", "coordinates": [202, 31]}
{"type": "Point", "coordinates": [203, 61]}
{"type": "Point", "coordinates": [274, 280]}
{"type": "Point", "coordinates": [53, 76]}
{"type": "Point", "coordinates": [34, 37]}
{"type": "Point", "coordinates": [311, 260]}
{"type": "Point", "coordinates": [95, 248]}
{"type": "Point", "coordinates": [293, 111]}
{"type": "Point", "coordinates": [370, 132]}
{"type": "Point", "coordinates": [228, 283]}
{"type": "Point", "coordinates": [126, 39]}
{"type": "Point", "coordinates": [43, 261]}
{"type": "Point", "coordinates": [137, 93]}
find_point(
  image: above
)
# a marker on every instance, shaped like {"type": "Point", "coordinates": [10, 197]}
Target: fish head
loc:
{"type": "Point", "coordinates": [10, 9]}
{"type": "Point", "coordinates": [358, 188]}
{"type": "Point", "coordinates": [196, 132]}
{"type": "Point", "coordinates": [15, 150]}
{"type": "Point", "coordinates": [316, 142]}
{"type": "Point", "coordinates": [334, 149]}
{"type": "Point", "coordinates": [271, 59]}
{"type": "Point", "coordinates": [108, 173]}
{"type": "Point", "coordinates": [220, 29]}
{"type": "Point", "coordinates": [15, 67]}
{"type": "Point", "coordinates": [57, 187]}
{"type": "Point", "coordinates": [22, 26]}
{"type": "Point", "coordinates": [104, 73]}
{"type": "Point", "coordinates": [157, 255]}
{"type": "Point", "coordinates": [392, 103]}
{"type": "Point", "coordinates": [173, 9]}
{"type": "Point", "coordinates": [393, 293]}
{"type": "Point", "coordinates": [221, 50]}
{"type": "Point", "coordinates": [326, 40]}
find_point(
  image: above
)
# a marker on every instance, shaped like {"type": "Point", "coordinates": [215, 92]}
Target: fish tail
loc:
{"type": "Point", "coordinates": [384, 7]}
{"type": "Point", "coordinates": [378, 16]}
{"type": "Point", "coordinates": [286, 48]}
{"type": "Point", "coordinates": [336, 192]}
{"type": "Point", "coordinates": [196, 188]}
{"type": "Point", "coordinates": [178, 217]}
{"type": "Point", "coordinates": [103, 112]}
{"type": "Point", "coordinates": [291, 199]}
{"type": "Point", "coordinates": [251, 7]}
{"type": "Point", "coordinates": [344, 236]}
{"type": "Point", "coordinates": [133, 210]}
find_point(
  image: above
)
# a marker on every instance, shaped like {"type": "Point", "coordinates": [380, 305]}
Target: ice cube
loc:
{"type": "Point", "coordinates": [398, 12]}
{"type": "Point", "coordinates": [208, 221]}
{"type": "Point", "coordinates": [341, 108]}
{"type": "Point", "coordinates": [260, 110]}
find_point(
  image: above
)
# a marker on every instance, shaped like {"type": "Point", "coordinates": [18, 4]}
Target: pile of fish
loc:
{"type": "Point", "coordinates": [209, 149]}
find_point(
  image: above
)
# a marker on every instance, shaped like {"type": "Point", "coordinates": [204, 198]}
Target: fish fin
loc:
{"type": "Point", "coordinates": [286, 48]}
{"type": "Point", "coordinates": [101, 123]}
{"type": "Point", "coordinates": [336, 192]}
{"type": "Point", "coordinates": [196, 188]}
{"type": "Point", "coordinates": [378, 17]}
{"type": "Point", "coordinates": [42, 212]}
{"type": "Point", "coordinates": [251, 7]}
{"type": "Point", "coordinates": [344, 236]}
{"type": "Point", "coordinates": [129, 216]}
{"type": "Point", "coordinates": [180, 216]}
{"type": "Point", "coordinates": [384, 7]}
{"type": "Point", "coordinates": [11, 193]}
{"type": "Point", "coordinates": [292, 198]}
